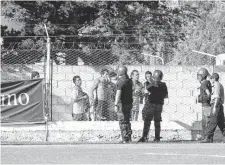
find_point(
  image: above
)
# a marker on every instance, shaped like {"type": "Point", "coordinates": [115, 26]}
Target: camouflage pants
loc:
{"type": "Point", "coordinates": [124, 121]}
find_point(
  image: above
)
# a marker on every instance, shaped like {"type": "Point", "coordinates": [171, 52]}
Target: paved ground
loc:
{"type": "Point", "coordinates": [150, 153]}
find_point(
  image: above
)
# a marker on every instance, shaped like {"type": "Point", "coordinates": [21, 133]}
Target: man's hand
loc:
{"type": "Point", "coordinates": [116, 109]}
{"type": "Point", "coordinates": [85, 96]}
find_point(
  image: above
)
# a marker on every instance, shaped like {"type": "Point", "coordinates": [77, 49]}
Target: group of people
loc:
{"type": "Point", "coordinates": [117, 96]}
{"type": "Point", "coordinates": [212, 99]}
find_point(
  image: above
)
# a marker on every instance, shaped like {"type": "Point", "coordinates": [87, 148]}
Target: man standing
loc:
{"type": "Point", "coordinates": [154, 106]}
{"type": "Point", "coordinates": [204, 97]}
{"type": "Point", "coordinates": [80, 101]}
{"type": "Point", "coordinates": [101, 88]}
{"type": "Point", "coordinates": [124, 96]}
{"type": "Point", "coordinates": [217, 112]}
{"type": "Point", "coordinates": [138, 92]}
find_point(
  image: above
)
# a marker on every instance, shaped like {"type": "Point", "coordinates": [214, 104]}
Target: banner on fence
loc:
{"type": "Point", "coordinates": [22, 101]}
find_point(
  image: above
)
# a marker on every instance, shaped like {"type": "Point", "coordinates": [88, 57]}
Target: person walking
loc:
{"type": "Point", "coordinates": [204, 97]}
{"type": "Point", "coordinates": [124, 99]}
{"type": "Point", "coordinates": [217, 111]}
{"type": "Point", "coordinates": [154, 106]}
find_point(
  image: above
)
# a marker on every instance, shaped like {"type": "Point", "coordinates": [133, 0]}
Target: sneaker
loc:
{"type": "Point", "coordinates": [206, 140]}
{"type": "Point", "coordinates": [156, 140]}
{"type": "Point", "coordinates": [142, 139]}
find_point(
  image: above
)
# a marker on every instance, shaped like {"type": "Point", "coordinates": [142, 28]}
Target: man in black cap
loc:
{"type": "Point", "coordinates": [124, 96]}
{"type": "Point", "coordinates": [217, 112]}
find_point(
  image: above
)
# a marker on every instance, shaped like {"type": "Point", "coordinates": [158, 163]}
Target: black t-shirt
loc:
{"type": "Point", "coordinates": [125, 85]}
{"type": "Point", "coordinates": [158, 93]}
{"type": "Point", "coordinates": [205, 84]}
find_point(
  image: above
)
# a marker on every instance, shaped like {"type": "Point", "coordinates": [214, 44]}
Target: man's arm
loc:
{"type": "Point", "coordinates": [166, 92]}
{"type": "Point", "coordinates": [216, 97]}
{"type": "Point", "coordinates": [77, 98]}
{"type": "Point", "coordinates": [118, 96]}
{"type": "Point", "coordinates": [93, 88]}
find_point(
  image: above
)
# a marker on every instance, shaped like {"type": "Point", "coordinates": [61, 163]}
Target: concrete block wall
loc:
{"type": "Point", "coordinates": [181, 82]}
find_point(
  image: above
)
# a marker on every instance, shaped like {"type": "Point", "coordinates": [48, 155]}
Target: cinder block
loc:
{"type": "Point", "coordinates": [65, 69]}
{"type": "Point", "coordinates": [69, 109]}
{"type": "Point", "coordinates": [68, 92]}
{"type": "Point", "coordinates": [59, 92]}
{"type": "Point", "coordinates": [145, 68]}
{"type": "Point", "coordinates": [184, 92]}
{"type": "Point", "coordinates": [187, 84]}
{"type": "Point", "coordinates": [176, 68]}
{"type": "Point", "coordinates": [54, 83]}
{"type": "Point", "coordinates": [65, 84]}
{"type": "Point", "coordinates": [69, 76]}
{"type": "Point", "coordinates": [54, 100]}
{"type": "Point", "coordinates": [196, 108]}
{"type": "Point", "coordinates": [176, 84]}
{"type": "Point", "coordinates": [65, 117]}
{"type": "Point", "coordinates": [59, 76]}
{"type": "Point", "coordinates": [183, 108]}
{"type": "Point", "coordinates": [170, 109]}
{"type": "Point", "coordinates": [64, 100]}
{"type": "Point", "coordinates": [175, 100]}
{"type": "Point", "coordinates": [172, 92]}
{"type": "Point", "coordinates": [59, 108]}
{"type": "Point", "coordinates": [170, 76]}
{"type": "Point", "coordinates": [184, 76]}
{"type": "Point", "coordinates": [189, 100]}
{"type": "Point", "coordinates": [86, 76]}
{"type": "Point", "coordinates": [164, 69]}
{"type": "Point", "coordinates": [55, 116]}
{"type": "Point", "coordinates": [177, 116]}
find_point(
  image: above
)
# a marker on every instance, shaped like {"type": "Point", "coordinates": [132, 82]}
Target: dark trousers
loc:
{"type": "Point", "coordinates": [206, 110]}
{"type": "Point", "coordinates": [124, 121]}
{"type": "Point", "coordinates": [216, 119]}
{"type": "Point", "coordinates": [151, 111]}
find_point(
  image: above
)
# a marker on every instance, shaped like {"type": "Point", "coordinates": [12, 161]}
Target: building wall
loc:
{"type": "Point", "coordinates": [181, 82]}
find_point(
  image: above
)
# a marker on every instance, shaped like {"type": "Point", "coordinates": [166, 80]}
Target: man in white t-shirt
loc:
{"type": "Point", "coordinates": [81, 105]}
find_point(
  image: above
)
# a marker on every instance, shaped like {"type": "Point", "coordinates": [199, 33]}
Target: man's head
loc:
{"type": "Point", "coordinates": [215, 77]}
{"type": "Point", "coordinates": [148, 75]}
{"type": "Point", "coordinates": [202, 74]}
{"type": "Point", "coordinates": [105, 73]}
{"type": "Point", "coordinates": [112, 76]}
{"type": "Point", "coordinates": [158, 75]}
{"type": "Point", "coordinates": [134, 75]}
{"type": "Point", "coordinates": [77, 80]}
{"type": "Point", "coordinates": [35, 75]}
{"type": "Point", "coordinates": [61, 58]}
{"type": "Point", "coordinates": [122, 71]}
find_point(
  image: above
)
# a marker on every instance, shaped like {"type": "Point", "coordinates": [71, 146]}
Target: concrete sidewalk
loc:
{"type": "Point", "coordinates": [88, 132]}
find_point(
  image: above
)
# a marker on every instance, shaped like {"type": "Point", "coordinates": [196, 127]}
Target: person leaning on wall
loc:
{"type": "Point", "coordinates": [80, 100]}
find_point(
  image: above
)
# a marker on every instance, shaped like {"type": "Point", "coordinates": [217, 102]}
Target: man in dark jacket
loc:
{"type": "Point", "coordinates": [154, 106]}
{"type": "Point", "coordinates": [124, 98]}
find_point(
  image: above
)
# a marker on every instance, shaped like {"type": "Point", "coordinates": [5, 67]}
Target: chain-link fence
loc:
{"type": "Point", "coordinates": [68, 65]}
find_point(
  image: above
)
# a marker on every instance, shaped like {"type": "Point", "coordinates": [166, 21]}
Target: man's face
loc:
{"type": "Point", "coordinates": [199, 77]}
{"type": "Point", "coordinates": [148, 77]}
{"type": "Point", "coordinates": [78, 82]}
{"type": "Point", "coordinates": [212, 80]}
{"type": "Point", "coordinates": [135, 76]}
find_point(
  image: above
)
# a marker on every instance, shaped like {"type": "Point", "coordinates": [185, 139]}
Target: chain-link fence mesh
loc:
{"type": "Point", "coordinates": [66, 62]}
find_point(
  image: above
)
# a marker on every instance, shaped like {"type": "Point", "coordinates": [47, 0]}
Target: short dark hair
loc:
{"type": "Point", "coordinates": [75, 77]}
{"type": "Point", "coordinates": [215, 76]}
{"type": "Point", "coordinates": [133, 72]}
{"type": "Point", "coordinates": [104, 70]}
{"type": "Point", "coordinates": [148, 72]}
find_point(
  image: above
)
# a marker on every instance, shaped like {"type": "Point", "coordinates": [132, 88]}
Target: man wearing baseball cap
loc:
{"type": "Point", "coordinates": [217, 112]}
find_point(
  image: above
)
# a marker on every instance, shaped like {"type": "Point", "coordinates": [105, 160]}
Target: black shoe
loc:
{"type": "Point", "coordinates": [207, 140]}
{"type": "Point", "coordinates": [142, 139]}
{"type": "Point", "coordinates": [156, 140]}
